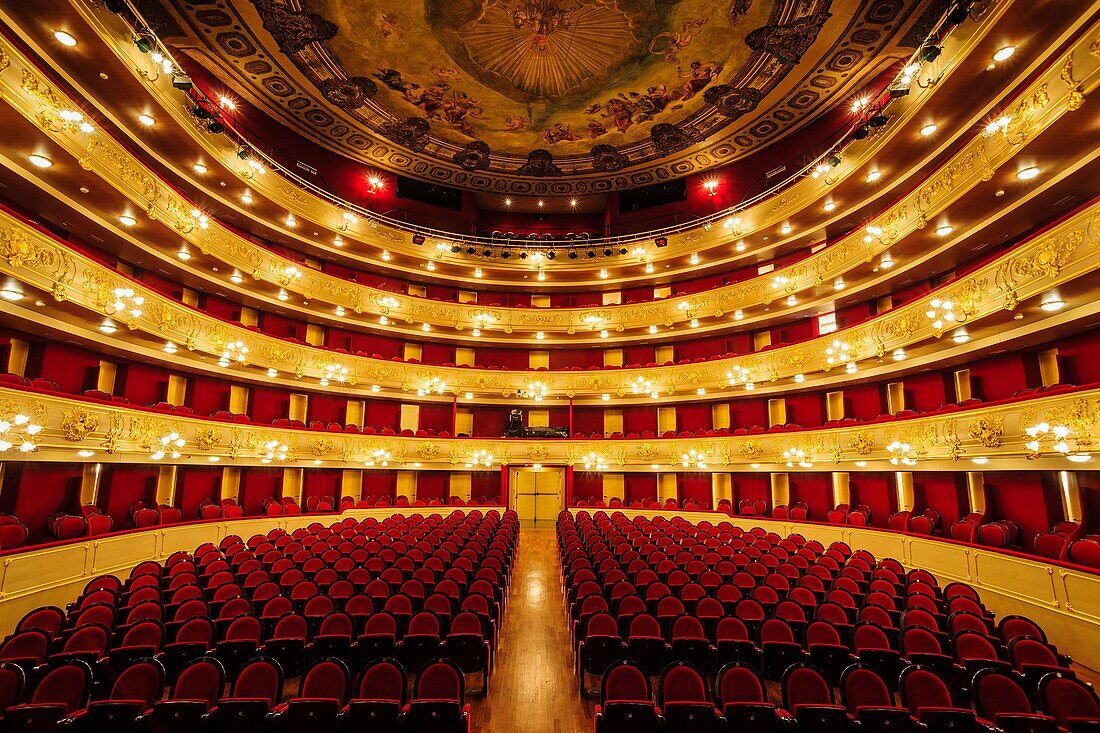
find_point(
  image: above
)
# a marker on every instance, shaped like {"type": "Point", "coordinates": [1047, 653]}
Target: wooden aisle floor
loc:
{"type": "Point", "coordinates": [533, 688]}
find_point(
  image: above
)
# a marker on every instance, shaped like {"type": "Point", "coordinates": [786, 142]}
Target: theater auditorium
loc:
{"type": "Point", "coordinates": [549, 366]}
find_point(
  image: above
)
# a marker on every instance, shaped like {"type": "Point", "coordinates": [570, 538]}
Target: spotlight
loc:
{"type": "Point", "coordinates": [878, 120]}
{"type": "Point", "coordinates": [1004, 54]}
{"type": "Point", "coordinates": [860, 133]}
{"type": "Point", "coordinates": [201, 113]}
{"type": "Point", "coordinates": [144, 42]}
{"type": "Point", "coordinates": [65, 39]}
{"type": "Point", "coordinates": [1028, 173]}
{"type": "Point", "coordinates": [182, 82]}
{"type": "Point", "coordinates": [456, 248]}
{"type": "Point", "coordinates": [40, 161]}
{"type": "Point", "coordinates": [661, 241]}
{"type": "Point", "coordinates": [930, 53]}
{"type": "Point", "coordinates": [215, 128]}
{"type": "Point", "coordinates": [418, 239]}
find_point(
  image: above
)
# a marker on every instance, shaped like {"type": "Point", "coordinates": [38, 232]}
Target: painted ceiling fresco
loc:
{"type": "Point", "coordinates": [562, 91]}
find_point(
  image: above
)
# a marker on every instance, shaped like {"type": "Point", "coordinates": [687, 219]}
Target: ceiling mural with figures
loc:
{"type": "Point", "coordinates": [544, 96]}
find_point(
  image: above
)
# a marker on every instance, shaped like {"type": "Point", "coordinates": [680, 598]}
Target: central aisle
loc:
{"type": "Point", "coordinates": [533, 688]}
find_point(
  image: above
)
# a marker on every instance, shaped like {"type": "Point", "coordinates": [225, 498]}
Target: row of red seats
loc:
{"type": "Point", "coordinates": [298, 612]}
{"type": "Point", "coordinates": [258, 699]}
{"type": "Point", "coordinates": [710, 630]}
{"type": "Point", "coordinates": [664, 606]}
{"type": "Point", "coordinates": [740, 702]}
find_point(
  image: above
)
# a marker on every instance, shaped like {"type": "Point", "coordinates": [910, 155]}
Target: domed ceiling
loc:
{"type": "Point", "coordinates": [544, 96]}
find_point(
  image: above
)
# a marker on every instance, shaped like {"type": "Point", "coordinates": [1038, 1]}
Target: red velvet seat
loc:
{"type": "Point", "coordinates": [626, 701]}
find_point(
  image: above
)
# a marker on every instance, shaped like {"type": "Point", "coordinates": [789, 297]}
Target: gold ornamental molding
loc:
{"type": "Point", "coordinates": [1064, 252]}
{"type": "Point", "coordinates": [1039, 106]}
{"type": "Point", "coordinates": [116, 432]}
{"type": "Point", "coordinates": [323, 212]}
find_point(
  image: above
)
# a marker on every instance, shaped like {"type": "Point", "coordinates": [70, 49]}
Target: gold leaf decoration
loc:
{"type": "Point", "coordinates": [77, 424]}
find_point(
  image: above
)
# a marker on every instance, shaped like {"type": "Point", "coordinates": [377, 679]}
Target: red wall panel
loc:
{"type": "Point", "coordinates": [36, 491]}
{"type": "Point", "coordinates": [432, 485]}
{"type": "Point", "coordinates": [327, 408]}
{"type": "Point", "coordinates": [258, 484]}
{"type": "Point", "coordinates": [383, 414]}
{"type": "Point", "coordinates": [122, 486]}
{"type": "Point", "coordinates": [815, 489]}
{"type": "Point", "coordinates": [437, 416]}
{"type": "Point", "coordinates": [695, 486]}
{"type": "Point", "coordinates": [943, 491]}
{"type": "Point", "coordinates": [485, 485]}
{"type": "Point", "coordinates": [320, 482]}
{"type": "Point", "coordinates": [268, 403]}
{"type": "Point", "coordinates": [638, 486]}
{"type": "Point", "coordinates": [693, 417]}
{"type": "Point", "coordinates": [751, 486]}
{"type": "Point", "coordinates": [587, 485]}
{"type": "Point", "coordinates": [877, 491]}
{"type": "Point", "coordinates": [195, 483]}
{"type": "Point", "coordinates": [1026, 499]}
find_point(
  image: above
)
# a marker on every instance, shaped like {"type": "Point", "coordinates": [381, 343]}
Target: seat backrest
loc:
{"type": "Point", "coordinates": [625, 682]}
{"type": "Point", "coordinates": [969, 645]}
{"type": "Point", "coordinates": [862, 687]}
{"type": "Point", "coordinates": [291, 626]}
{"type": "Point", "coordinates": [327, 679]}
{"type": "Point", "coordinates": [260, 678]}
{"type": "Point", "coordinates": [198, 629]}
{"type": "Point", "coordinates": [998, 693]}
{"type": "Point", "coordinates": [144, 633]}
{"type": "Point", "coordinates": [67, 685]}
{"type": "Point", "coordinates": [244, 628]}
{"type": "Point", "coordinates": [31, 644]}
{"type": "Point", "coordinates": [202, 680]}
{"type": "Point", "coordinates": [869, 636]}
{"type": "Point", "coordinates": [922, 688]}
{"type": "Point", "coordinates": [739, 683]}
{"type": "Point", "coordinates": [682, 683]}
{"type": "Point", "coordinates": [383, 679]}
{"type": "Point", "coordinates": [439, 680]}
{"type": "Point", "coordinates": [143, 680]}
{"type": "Point", "coordinates": [1065, 698]}
{"type": "Point", "coordinates": [805, 685]}
{"type": "Point", "coordinates": [776, 630]}
{"type": "Point", "coordinates": [12, 683]}
{"type": "Point", "coordinates": [1014, 626]}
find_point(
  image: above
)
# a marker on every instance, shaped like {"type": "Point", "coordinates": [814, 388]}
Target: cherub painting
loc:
{"type": "Point", "coordinates": [559, 133]}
